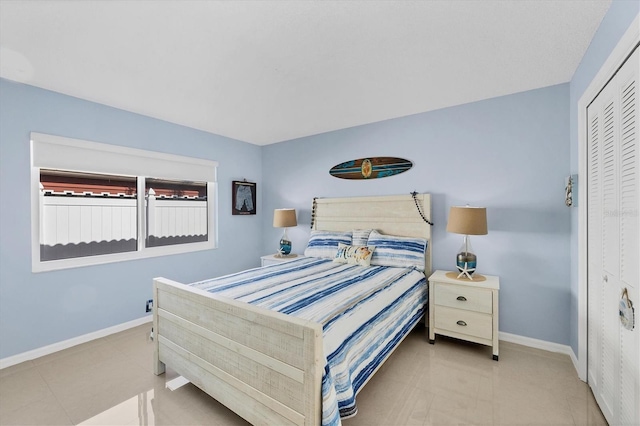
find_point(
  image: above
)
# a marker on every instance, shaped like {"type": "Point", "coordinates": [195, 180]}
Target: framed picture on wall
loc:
{"type": "Point", "coordinates": [243, 195]}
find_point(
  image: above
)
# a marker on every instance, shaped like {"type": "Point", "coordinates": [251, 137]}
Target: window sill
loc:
{"type": "Point", "coordinates": [149, 252]}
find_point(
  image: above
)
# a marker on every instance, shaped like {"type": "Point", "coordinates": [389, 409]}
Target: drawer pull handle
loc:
{"type": "Point", "coordinates": [462, 323]}
{"type": "Point", "coordinates": [461, 298]}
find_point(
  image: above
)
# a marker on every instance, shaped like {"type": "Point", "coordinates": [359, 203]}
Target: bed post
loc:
{"type": "Point", "coordinates": [313, 363]}
{"type": "Point", "coordinates": [158, 366]}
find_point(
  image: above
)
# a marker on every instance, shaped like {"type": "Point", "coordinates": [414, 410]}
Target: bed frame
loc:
{"type": "Point", "coordinates": [263, 365]}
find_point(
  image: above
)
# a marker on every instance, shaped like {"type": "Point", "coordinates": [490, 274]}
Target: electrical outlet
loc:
{"type": "Point", "coordinates": [149, 305]}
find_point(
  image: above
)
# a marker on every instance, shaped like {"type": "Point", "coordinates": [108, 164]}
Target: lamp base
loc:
{"type": "Point", "coordinates": [466, 264]}
{"type": "Point", "coordinates": [465, 271]}
{"type": "Point", "coordinates": [285, 247]}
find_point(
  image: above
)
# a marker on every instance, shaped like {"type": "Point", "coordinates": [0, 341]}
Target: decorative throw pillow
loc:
{"type": "Point", "coordinates": [360, 237]}
{"type": "Point", "coordinates": [401, 252]}
{"type": "Point", "coordinates": [354, 255]}
{"type": "Point", "coordinates": [325, 243]}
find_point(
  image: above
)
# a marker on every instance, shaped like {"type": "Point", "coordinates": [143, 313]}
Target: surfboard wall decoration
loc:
{"type": "Point", "coordinates": [370, 168]}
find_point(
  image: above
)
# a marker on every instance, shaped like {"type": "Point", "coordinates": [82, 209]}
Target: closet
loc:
{"type": "Point", "coordinates": [613, 253]}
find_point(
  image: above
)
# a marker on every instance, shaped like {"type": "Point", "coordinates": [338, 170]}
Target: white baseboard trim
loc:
{"type": "Point", "coordinates": [541, 344]}
{"type": "Point", "coordinates": [55, 347]}
{"type": "Point", "coordinates": [576, 365]}
{"type": "Point", "coordinates": [49, 349]}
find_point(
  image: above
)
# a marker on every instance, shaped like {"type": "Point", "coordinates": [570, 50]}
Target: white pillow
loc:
{"type": "Point", "coordinates": [354, 255]}
{"type": "Point", "coordinates": [325, 243]}
{"type": "Point", "coordinates": [402, 252]}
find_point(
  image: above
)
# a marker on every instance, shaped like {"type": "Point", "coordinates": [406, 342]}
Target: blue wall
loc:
{"type": "Point", "coordinates": [40, 309]}
{"type": "Point", "coordinates": [615, 23]}
{"type": "Point", "coordinates": [510, 154]}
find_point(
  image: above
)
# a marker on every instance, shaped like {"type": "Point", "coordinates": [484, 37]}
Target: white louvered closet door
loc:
{"type": "Point", "coordinates": [614, 244]}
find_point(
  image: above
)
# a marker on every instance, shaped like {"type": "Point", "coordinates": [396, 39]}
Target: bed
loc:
{"type": "Point", "coordinates": [270, 367]}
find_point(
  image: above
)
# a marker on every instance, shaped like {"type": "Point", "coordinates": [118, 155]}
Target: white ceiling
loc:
{"type": "Point", "coordinates": [268, 71]}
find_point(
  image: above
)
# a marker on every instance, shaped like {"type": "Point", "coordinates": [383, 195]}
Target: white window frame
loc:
{"type": "Point", "coordinates": [56, 152]}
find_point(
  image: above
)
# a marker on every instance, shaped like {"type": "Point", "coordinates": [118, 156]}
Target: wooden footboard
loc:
{"type": "Point", "coordinates": [265, 366]}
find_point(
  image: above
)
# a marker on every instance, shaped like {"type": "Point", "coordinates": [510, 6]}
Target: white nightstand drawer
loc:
{"type": "Point", "coordinates": [464, 297]}
{"type": "Point", "coordinates": [464, 309]}
{"type": "Point", "coordinates": [465, 322]}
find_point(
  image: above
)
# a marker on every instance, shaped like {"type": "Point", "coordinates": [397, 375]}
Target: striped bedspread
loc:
{"type": "Point", "coordinates": [364, 311]}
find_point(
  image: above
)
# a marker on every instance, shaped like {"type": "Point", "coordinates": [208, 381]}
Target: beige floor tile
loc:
{"type": "Point", "coordinates": [212, 412]}
{"type": "Point", "coordinates": [21, 389]}
{"type": "Point", "coordinates": [178, 405]}
{"type": "Point", "coordinates": [137, 410]}
{"type": "Point", "coordinates": [136, 346]}
{"type": "Point", "coordinates": [16, 368]}
{"type": "Point", "coordinates": [378, 395]}
{"type": "Point", "coordinates": [436, 418]}
{"type": "Point", "coordinates": [519, 413]}
{"type": "Point", "coordinates": [365, 418]}
{"type": "Point", "coordinates": [45, 411]}
{"type": "Point", "coordinates": [143, 329]}
{"type": "Point", "coordinates": [411, 408]}
{"type": "Point", "coordinates": [404, 366]}
{"type": "Point", "coordinates": [188, 405]}
{"type": "Point", "coordinates": [448, 376]}
{"type": "Point", "coordinates": [79, 363]}
{"type": "Point", "coordinates": [70, 351]}
{"type": "Point", "coordinates": [110, 382]}
{"type": "Point", "coordinates": [126, 384]}
{"type": "Point", "coordinates": [463, 408]}
{"type": "Point", "coordinates": [450, 348]}
{"type": "Point", "coordinates": [67, 383]}
{"type": "Point", "coordinates": [585, 411]}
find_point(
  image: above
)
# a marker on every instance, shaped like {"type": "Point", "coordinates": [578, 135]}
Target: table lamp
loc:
{"type": "Point", "coordinates": [284, 218]}
{"type": "Point", "coordinates": [467, 221]}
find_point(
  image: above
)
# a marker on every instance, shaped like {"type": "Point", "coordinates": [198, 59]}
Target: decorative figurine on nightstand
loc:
{"type": "Point", "coordinates": [467, 221]}
{"type": "Point", "coordinates": [284, 218]}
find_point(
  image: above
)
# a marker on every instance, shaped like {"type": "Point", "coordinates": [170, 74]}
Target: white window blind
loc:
{"type": "Point", "coordinates": [56, 152]}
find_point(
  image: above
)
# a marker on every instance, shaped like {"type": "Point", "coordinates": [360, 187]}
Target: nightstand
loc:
{"type": "Point", "coordinates": [464, 309]}
{"type": "Point", "coordinates": [270, 259]}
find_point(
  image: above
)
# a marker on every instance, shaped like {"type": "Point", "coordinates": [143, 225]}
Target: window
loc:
{"type": "Point", "coordinates": [176, 212]}
{"type": "Point", "coordinates": [94, 203]}
{"type": "Point", "coordinates": [86, 214]}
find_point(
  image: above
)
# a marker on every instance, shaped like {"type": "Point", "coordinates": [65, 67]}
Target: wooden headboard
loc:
{"type": "Point", "coordinates": [388, 214]}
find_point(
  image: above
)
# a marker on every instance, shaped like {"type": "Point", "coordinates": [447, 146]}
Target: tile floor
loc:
{"type": "Point", "coordinates": [110, 381]}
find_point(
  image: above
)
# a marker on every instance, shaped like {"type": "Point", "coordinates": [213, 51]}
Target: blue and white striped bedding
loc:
{"type": "Point", "coordinates": [364, 311]}
{"type": "Point", "coordinates": [402, 252]}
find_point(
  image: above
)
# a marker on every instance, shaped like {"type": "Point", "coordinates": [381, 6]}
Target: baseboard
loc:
{"type": "Point", "coordinates": [541, 344]}
{"type": "Point", "coordinates": [576, 365]}
{"type": "Point", "coordinates": [46, 350]}
{"type": "Point", "coordinates": [49, 349]}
